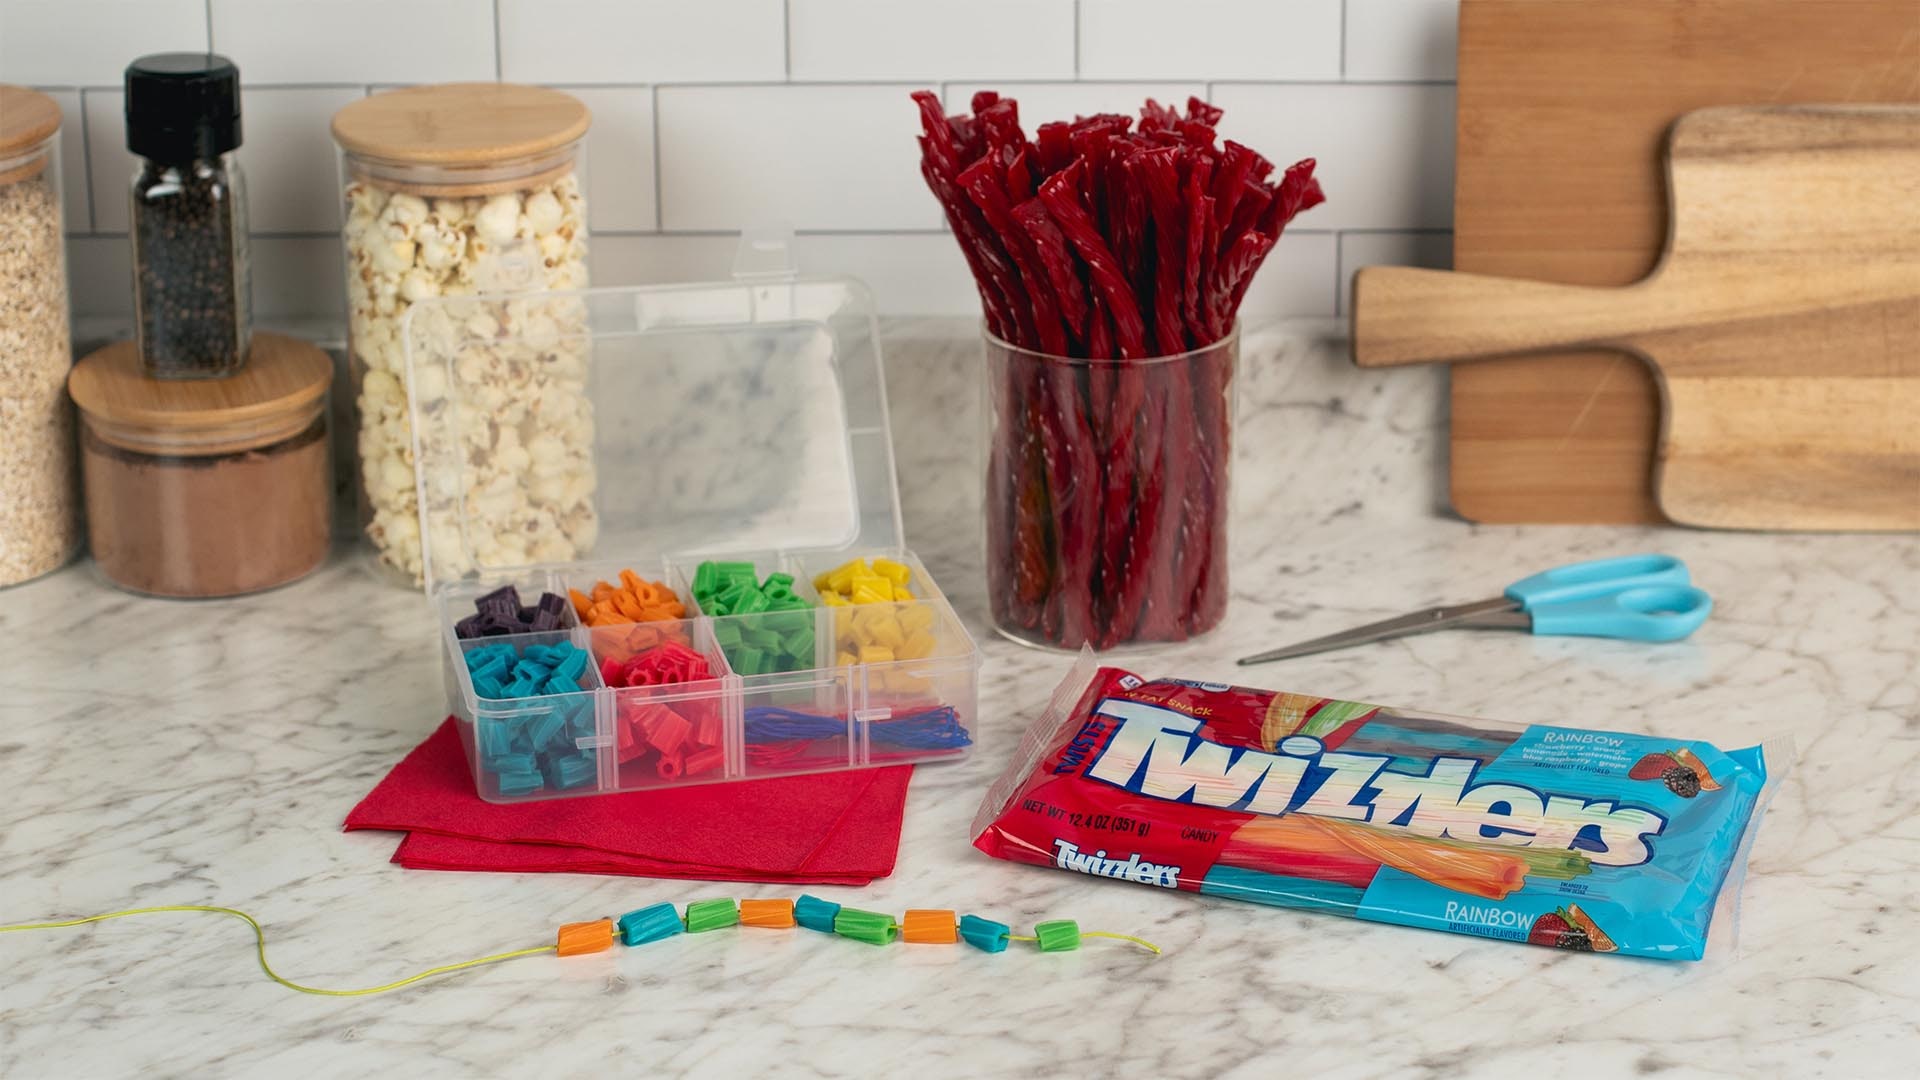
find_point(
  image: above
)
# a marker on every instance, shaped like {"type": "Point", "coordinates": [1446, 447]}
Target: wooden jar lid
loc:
{"type": "Point", "coordinates": [27, 119]}
{"type": "Point", "coordinates": [454, 138]}
{"type": "Point", "coordinates": [273, 397]}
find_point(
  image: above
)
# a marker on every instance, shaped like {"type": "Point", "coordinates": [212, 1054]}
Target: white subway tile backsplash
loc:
{"type": "Point", "coordinates": [109, 163]}
{"type": "Point", "coordinates": [73, 161]}
{"type": "Point", "coordinates": [298, 275]}
{"type": "Point", "coordinates": [642, 41]}
{"type": "Point", "coordinates": [918, 274]}
{"type": "Point", "coordinates": [1385, 152]}
{"type": "Point", "coordinates": [90, 42]}
{"type": "Point", "coordinates": [1431, 250]}
{"type": "Point", "coordinates": [815, 157]}
{"type": "Point", "coordinates": [617, 162]}
{"type": "Point", "coordinates": [930, 40]}
{"type": "Point", "coordinates": [769, 111]}
{"type": "Point", "coordinates": [1401, 39]}
{"type": "Point", "coordinates": [659, 260]}
{"type": "Point", "coordinates": [100, 277]}
{"type": "Point", "coordinates": [293, 175]}
{"type": "Point", "coordinates": [1296, 279]}
{"type": "Point", "coordinates": [1210, 39]}
{"type": "Point", "coordinates": [1041, 103]}
{"type": "Point", "coordinates": [356, 41]}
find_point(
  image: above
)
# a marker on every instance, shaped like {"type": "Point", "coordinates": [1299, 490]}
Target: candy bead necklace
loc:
{"type": "Point", "coordinates": [656, 922]}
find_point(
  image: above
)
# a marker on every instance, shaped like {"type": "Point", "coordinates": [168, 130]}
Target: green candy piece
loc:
{"type": "Point", "coordinates": [1059, 935]}
{"type": "Point", "coordinates": [748, 660]}
{"type": "Point", "coordinates": [727, 634]}
{"type": "Point", "coordinates": [797, 644]}
{"type": "Point", "coordinates": [868, 926]}
{"type": "Point", "coordinates": [704, 915]}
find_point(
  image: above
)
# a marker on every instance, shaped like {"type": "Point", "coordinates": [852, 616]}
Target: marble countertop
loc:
{"type": "Point", "coordinates": [158, 753]}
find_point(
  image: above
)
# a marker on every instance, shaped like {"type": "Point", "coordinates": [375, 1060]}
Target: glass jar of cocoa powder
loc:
{"type": "Point", "coordinates": [202, 488]}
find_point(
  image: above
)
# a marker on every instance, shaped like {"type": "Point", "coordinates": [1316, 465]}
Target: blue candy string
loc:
{"type": "Point", "coordinates": [937, 728]}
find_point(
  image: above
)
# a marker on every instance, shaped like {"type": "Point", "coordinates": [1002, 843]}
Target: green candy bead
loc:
{"type": "Point", "coordinates": [869, 926]}
{"type": "Point", "coordinates": [1059, 935]}
{"type": "Point", "coordinates": [704, 915]}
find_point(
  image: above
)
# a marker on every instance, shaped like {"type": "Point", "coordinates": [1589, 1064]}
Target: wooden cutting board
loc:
{"type": "Point", "coordinates": [1563, 109]}
{"type": "Point", "coordinates": [1783, 323]}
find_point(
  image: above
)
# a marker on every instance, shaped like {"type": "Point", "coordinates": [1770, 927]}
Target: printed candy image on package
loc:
{"type": "Point", "coordinates": [1593, 841]}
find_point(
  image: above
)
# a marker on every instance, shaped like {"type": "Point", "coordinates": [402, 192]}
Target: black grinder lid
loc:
{"type": "Point", "coordinates": [182, 106]}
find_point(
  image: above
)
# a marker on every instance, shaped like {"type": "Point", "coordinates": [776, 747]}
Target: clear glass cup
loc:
{"type": "Point", "coordinates": [1107, 494]}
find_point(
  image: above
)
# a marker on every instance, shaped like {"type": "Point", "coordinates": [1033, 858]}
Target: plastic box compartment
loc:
{"type": "Point", "coordinates": [742, 422]}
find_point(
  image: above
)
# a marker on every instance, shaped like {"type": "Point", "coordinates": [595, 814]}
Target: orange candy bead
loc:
{"type": "Point", "coordinates": [773, 914]}
{"type": "Point", "coordinates": [577, 938]}
{"type": "Point", "coordinates": [930, 926]}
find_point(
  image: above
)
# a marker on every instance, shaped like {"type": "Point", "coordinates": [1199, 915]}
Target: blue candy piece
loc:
{"type": "Point", "coordinates": [984, 934]}
{"type": "Point", "coordinates": [571, 770]}
{"type": "Point", "coordinates": [496, 740]}
{"type": "Point", "coordinates": [548, 729]}
{"type": "Point", "coordinates": [513, 762]}
{"type": "Point", "coordinates": [520, 783]}
{"type": "Point", "coordinates": [580, 725]}
{"type": "Point", "coordinates": [651, 923]}
{"type": "Point", "coordinates": [572, 666]}
{"type": "Point", "coordinates": [535, 672]}
{"type": "Point", "coordinates": [559, 684]}
{"type": "Point", "coordinates": [815, 913]}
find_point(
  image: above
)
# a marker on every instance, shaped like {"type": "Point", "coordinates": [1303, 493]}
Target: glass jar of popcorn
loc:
{"type": "Point", "coordinates": [39, 490]}
{"type": "Point", "coordinates": [459, 189]}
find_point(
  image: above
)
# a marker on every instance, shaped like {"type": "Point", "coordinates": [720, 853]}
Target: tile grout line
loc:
{"type": "Point", "coordinates": [1076, 39]}
{"type": "Point", "coordinates": [659, 197]}
{"type": "Point", "coordinates": [1343, 45]}
{"type": "Point", "coordinates": [499, 66]}
{"type": "Point", "coordinates": [1339, 278]}
{"type": "Point", "coordinates": [209, 26]}
{"type": "Point", "coordinates": [86, 156]}
{"type": "Point", "coordinates": [786, 39]}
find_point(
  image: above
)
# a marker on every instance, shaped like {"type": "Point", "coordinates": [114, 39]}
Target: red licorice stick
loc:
{"type": "Point", "coordinates": [1072, 469]}
{"type": "Point", "coordinates": [1199, 209]}
{"type": "Point", "coordinates": [1104, 274]}
{"type": "Point", "coordinates": [985, 256]}
{"type": "Point", "coordinates": [1050, 248]}
{"type": "Point", "coordinates": [982, 184]}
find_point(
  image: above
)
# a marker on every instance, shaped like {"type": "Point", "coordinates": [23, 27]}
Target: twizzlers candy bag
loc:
{"type": "Point", "coordinates": [1594, 841]}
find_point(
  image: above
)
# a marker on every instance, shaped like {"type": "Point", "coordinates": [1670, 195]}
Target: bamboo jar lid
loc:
{"type": "Point", "coordinates": [277, 394]}
{"type": "Point", "coordinates": [461, 138]}
{"type": "Point", "coordinates": [28, 118]}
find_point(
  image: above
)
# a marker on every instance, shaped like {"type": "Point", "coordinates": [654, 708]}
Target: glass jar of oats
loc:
{"type": "Point", "coordinates": [39, 495]}
{"type": "Point", "coordinates": [458, 189]}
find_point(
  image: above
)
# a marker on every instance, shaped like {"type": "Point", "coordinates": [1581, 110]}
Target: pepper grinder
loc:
{"type": "Point", "coordinates": [192, 285]}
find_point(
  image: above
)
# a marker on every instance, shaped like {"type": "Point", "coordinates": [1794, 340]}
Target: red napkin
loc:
{"type": "Point", "coordinates": [833, 828]}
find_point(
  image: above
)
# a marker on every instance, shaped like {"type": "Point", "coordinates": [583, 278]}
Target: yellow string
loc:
{"type": "Point", "coordinates": [1142, 942]}
{"type": "Point", "coordinates": [260, 940]}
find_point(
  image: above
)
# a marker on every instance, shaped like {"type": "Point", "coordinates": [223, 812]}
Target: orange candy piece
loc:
{"type": "Point", "coordinates": [773, 914]}
{"type": "Point", "coordinates": [633, 602]}
{"type": "Point", "coordinates": [930, 926]}
{"type": "Point", "coordinates": [577, 938]}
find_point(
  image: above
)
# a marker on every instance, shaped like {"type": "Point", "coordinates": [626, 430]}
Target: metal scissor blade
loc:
{"type": "Point", "coordinates": [1418, 622]}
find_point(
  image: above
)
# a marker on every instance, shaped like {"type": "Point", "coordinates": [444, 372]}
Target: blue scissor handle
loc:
{"type": "Point", "coordinates": [1599, 577]}
{"type": "Point", "coordinates": [1640, 613]}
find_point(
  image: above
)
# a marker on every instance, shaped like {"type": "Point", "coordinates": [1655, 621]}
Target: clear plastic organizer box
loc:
{"type": "Point", "coordinates": [742, 422]}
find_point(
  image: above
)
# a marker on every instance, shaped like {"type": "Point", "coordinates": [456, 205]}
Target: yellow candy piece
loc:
{"type": "Point", "coordinates": [892, 571]}
{"type": "Point", "coordinates": [918, 646]}
{"type": "Point", "coordinates": [820, 582]}
{"type": "Point", "coordinates": [841, 580]}
{"type": "Point", "coordinates": [832, 599]}
{"type": "Point", "coordinates": [918, 617]}
{"type": "Point", "coordinates": [876, 654]}
{"type": "Point", "coordinates": [844, 659]}
{"type": "Point", "coordinates": [886, 631]}
{"type": "Point", "coordinates": [867, 594]}
{"type": "Point", "coordinates": [901, 592]}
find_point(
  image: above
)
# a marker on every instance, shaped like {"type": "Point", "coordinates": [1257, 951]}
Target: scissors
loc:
{"type": "Point", "coordinates": [1633, 597]}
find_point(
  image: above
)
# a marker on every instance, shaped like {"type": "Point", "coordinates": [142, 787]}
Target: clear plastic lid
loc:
{"type": "Point", "coordinates": [725, 418]}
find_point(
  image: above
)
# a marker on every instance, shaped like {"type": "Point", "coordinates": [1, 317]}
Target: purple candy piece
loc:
{"type": "Point", "coordinates": [527, 613]}
{"type": "Point", "coordinates": [467, 627]}
{"type": "Point", "coordinates": [505, 596]}
{"type": "Point", "coordinates": [545, 620]}
{"type": "Point", "coordinates": [554, 602]}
